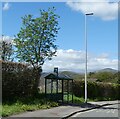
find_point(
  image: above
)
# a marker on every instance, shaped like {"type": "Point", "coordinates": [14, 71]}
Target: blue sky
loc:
{"type": "Point", "coordinates": [102, 32]}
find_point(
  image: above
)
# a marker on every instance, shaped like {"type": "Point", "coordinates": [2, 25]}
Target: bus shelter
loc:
{"type": "Point", "coordinates": [59, 87]}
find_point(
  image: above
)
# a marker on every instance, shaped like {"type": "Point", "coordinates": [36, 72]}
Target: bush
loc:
{"type": "Point", "coordinates": [17, 80]}
{"type": "Point", "coordinates": [108, 91]}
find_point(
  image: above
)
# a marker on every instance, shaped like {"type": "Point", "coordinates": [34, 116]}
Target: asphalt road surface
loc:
{"type": "Point", "coordinates": [106, 111]}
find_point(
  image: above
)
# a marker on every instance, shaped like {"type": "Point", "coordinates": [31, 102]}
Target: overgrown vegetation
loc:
{"type": "Point", "coordinates": [26, 104]}
{"type": "Point", "coordinates": [19, 91]}
{"type": "Point", "coordinates": [17, 80]}
{"type": "Point", "coordinates": [97, 90]}
{"type": "Point", "coordinates": [76, 100]}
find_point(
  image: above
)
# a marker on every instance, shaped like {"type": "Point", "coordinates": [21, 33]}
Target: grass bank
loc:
{"type": "Point", "coordinates": [25, 104]}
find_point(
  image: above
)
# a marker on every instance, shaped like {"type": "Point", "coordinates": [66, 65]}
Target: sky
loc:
{"type": "Point", "coordinates": [102, 32]}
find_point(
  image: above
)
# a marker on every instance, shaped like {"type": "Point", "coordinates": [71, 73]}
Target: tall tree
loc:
{"type": "Point", "coordinates": [7, 50]}
{"type": "Point", "coordinates": [35, 42]}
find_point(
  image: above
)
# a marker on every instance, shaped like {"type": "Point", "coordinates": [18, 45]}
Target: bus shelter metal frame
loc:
{"type": "Point", "coordinates": [53, 77]}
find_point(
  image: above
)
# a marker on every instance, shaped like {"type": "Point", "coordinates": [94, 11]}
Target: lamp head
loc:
{"type": "Point", "coordinates": [89, 14]}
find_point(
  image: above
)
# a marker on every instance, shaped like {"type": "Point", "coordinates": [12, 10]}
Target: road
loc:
{"type": "Point", "coordinates": [106, 111]}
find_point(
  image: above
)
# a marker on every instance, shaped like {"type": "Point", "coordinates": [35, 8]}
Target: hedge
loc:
{"type": "Point", "coordinates": [17, 80]}
{"type": "Point", "coordinates": [97, 90]}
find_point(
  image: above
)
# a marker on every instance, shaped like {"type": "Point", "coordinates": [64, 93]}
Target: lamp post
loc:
{"type": "Point", "coordinates": [86, 55]}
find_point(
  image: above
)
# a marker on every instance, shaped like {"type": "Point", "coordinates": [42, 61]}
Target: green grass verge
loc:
{"type": "Point", "coordinates": [31, 104]}
{"type": "Point", "coordinates": [80, 100]}
{"type": "Point", "coordinates": [77, 100]}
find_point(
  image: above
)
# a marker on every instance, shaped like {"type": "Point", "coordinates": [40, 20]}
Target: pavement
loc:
{"type": "Point", "coordinates": [65, 111]}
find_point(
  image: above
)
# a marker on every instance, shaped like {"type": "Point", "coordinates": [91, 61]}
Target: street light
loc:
{"type": "Point", "coordinates": [86, 56]}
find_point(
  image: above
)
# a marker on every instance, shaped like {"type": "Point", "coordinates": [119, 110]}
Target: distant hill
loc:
{"type": "Point", "coordinates": [73, 75]}
{"type": "Point", "coordinates": [76, 75]}
{"type": "Point", "coordinates": [108, 70]}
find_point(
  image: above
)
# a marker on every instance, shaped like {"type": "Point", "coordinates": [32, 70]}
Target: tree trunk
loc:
{"type": "Point", "coordinates": [37, 72]}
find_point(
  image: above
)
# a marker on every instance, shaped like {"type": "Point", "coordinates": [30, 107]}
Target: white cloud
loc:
{"type": "Point", "coordinates": [6, 6]}
{"type": "Point", "coordinates": [100, 8]}
{"type": "Point", "coordinates": [74, 60]}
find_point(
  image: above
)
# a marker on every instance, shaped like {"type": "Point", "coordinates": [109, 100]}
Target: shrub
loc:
{"type": "Point", "coordinates": [17, 80]}
{"type": "Point", "coordinates": [97, 90]}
